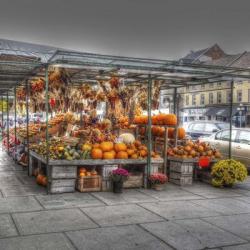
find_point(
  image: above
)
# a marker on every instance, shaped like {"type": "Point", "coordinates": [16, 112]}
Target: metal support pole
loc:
{"type": "Point", "coordinates": [8, 128]}
{"type": "Point", "coordinates": [175, 101]}
{"type": "Point", "coordinates": [231, 121]}
{"type": "Point", "coordinates": [27, 124]}
{"type": "Point", "coordinates": [2, 120]}
{"type": "Point", "coordinates": [15, 122]}
{"type": "Point", "coordinates": [47, 122]}
{"type": "Point", "coordinates": [149, 142]}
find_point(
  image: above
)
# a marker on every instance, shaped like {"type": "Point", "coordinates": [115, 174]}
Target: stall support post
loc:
{"type": "Point", "coordinates": [27, 124]}
{"type": "Point", "coordinates": [8, 129]}
{"type": "Point", "coordinates": [47, 122]}
{"type": "Point", "coordinates": [15, 123]}
{"type": "Point", "coordinates": [231, 120]}
{"type": "Point", "coordinates": [149, 142]}
{"type": "Point", "coordinates": [175, 101]}
{"type": "Point", "coordinates": [2, 120]}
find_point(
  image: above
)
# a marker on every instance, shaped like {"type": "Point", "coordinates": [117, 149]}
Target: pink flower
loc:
{"type": "Point", "coordinates": [158, 178]}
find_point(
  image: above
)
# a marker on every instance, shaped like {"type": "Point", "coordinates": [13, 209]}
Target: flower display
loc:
{"type": "Point", "coordinates": [228, 172]}
{"type": "Point", "coordinates": [158, 178]}
{"type": "Point", "coordinates": [119, 174]}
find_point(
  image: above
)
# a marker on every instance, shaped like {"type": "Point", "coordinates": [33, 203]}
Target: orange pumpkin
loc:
{"type": "Point", "coordinates": [130, 152]}
{"type": "Point", "coordinates": [134, 156]}
{"type": "Point", "coordinates": [96, 145]}
{"type": "Point", "coordinates": [96, 153]}
{"type": "Point", "coordinates": [171, 132]}
{"type": "Point", "coordinates": [137, 143]}
{"type": "Point", "coordinates": [120, 147]}
{"type": "Point", "coordinates": [108, 155]}
{"type": "Point", "coordinates": [82, 170]}
{"type": "Point", "coordinates": [170, 119]}
{"type": "Point", "coordinates": [143, 153]}
{"type": "Point", "coordinates": [122, 155]}
{"type": "Point", "coordinates": [106, 146]}
{"type": "Point", "coordinates": [82, 174]}
{"type": "Point", "coordinates": [181, 133]}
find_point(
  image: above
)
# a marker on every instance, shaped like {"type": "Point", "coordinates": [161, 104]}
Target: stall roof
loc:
{"type": "Point", "coordinates": [19, 61]}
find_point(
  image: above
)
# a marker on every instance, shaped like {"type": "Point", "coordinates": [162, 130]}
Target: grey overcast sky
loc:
{"type": "Point", "coordinates": [146, 28]}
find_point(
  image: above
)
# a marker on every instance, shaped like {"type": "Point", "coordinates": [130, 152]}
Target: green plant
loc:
{"type": "Point", "coordinates": [228, 172]}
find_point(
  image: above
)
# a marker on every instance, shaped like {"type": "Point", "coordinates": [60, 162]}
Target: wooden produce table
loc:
{"type": "Point", "coordinates": [62, 174]}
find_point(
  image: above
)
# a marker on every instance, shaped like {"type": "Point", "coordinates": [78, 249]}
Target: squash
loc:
{"type": "Point", "coordinates": [127, 138]}
{"type": "Point", "coordinates": [106, 146]}
{"type": "Point", "coordinates": [108, 155]}
{"type": "Point", "coordinates": [120, 147]}
{"type": "Point", "coordinates": [143, 153]}
{"type": "Point", "coordinates": [96, 153]}
{"type": "Point", "coordinates": [96, 145]}
{"type": "Point", "coordinates": [181, 133]}
{"type": "Point", "coordinates": [122, 155]}
{"type": "Point", "coordinates": [82, 170]}
{"type": "Point", "coordinates": [82, 174]}
{"type": "Point", "coordinates": [170, 119]}
{"type": "Point", "coordinates": [137, 143]}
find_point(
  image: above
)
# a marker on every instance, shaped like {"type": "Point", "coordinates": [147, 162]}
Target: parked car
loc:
{"type": "Point", "coordinates": [240, 143]}
{"type": "Point", "coordinates": [198, 129]}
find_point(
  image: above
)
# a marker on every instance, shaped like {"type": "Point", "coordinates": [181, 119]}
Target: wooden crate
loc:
{"type": "Point", "coordinates": [106, 170]}
{"type": "Point", "coordinates": [62, 186]}
{"type": "Point", "coordinates": [106, 185]}
{"type": "Point", "coordinates": [182, 181]}
{"type": "Point", "coordinates": [63, 172]}
{"type": "Point", "coordinates": [176, 175]}
{"type": "Point", "coordinates": [89, 183]}
{"type": "Point", "coordinates": [135, 180]}
{"type": "Point", "coordinates": [181, 167]}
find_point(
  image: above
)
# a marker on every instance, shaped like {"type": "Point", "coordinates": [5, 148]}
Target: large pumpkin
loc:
{"type": "Point", "coordinates": [122, 155]}
{"type": "Point", "coordinates": [170, 119]}
{"type": "Point", "coordinates": [96, 153]}
{"type": "Point", "coordinates": [106, 146]}
{"type": "Point", "coordinates": [181, 133]}
{"type": "Point", "coordinates": [108, 155]}
{"type": "Point", "coordinates": [120, 147]}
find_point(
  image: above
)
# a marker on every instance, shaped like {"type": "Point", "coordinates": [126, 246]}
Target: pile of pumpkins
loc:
{"type": "Point", "coordinates": [158, 131]}
{"type": "Point", "coordinates": [108, 150]}
{"type": "Point", "coordinates": [192, 149]}
{"type": "Point", "coordinates": [82, 172]}
{"type": "Point", "coordinates": [160, 119]}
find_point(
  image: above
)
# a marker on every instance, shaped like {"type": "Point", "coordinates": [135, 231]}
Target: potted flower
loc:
{"type": "Point", "coordinates": [118, 176]}
{"type": "Point", "coordinates": [158, 180]}
{"type": "Point", "coordinates": [226, 173]}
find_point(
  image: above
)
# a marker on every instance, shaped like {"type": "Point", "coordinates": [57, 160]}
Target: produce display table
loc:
{"type": "Point", "coordinates": [62, 174]}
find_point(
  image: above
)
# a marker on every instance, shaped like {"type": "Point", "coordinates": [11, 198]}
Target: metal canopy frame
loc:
{"type": "Point", "coordinates": [87, 67]}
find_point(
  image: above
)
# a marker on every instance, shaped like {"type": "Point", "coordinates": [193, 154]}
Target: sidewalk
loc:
{"type": "Point", "coordinates": [195, 217]}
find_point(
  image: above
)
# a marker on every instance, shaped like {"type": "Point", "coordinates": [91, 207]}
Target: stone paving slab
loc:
{"type": "Point", "coordinates": [178, 209]}
{"type": "Point", "coordinates": [23, 190]}
{"type": "Point", "coordinates": [69, 200]}
{"type": "Point", "coordinates": [239, 247]}
{"type": "Point", "coordinates": [114, 238]}
{"type": "Point", "coordinates": [36, 242]}
{"type": "Point", "coordinates": [52, 221]}
{"type": "Point", "coordinates": [9, 180]}
{"type": "Point", "coordinates": [128, 196]}
{"type": "Point", "coordinates": [237, 224]}
{"type": "Point", "coordinates": [208, 191]}
{"type": "Point", "coordinates": [120, 215]}
{"type": "Point", "coordinates": [170, 194]}
{"type": "Point", "coordinates": [7, 227]}
{"type": "Point", "coordinates": [225, 206]}
{"type": "Point", "coordinates": [19, 204]}
{"type": "Point", "coordinates": [245, 199]}
{"type": "Point", "coordinates": [191, 234]}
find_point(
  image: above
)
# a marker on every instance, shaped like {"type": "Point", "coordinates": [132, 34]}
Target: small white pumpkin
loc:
{"type": "Point", "coordinates": [127, 138]}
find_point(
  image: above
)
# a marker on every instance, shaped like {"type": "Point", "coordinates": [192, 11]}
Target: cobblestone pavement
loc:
{"type": "Point", "coordinates": [195, 217]}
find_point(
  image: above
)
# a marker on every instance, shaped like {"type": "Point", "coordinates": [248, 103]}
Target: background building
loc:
{"type": "Point", "coordinates": [211, 101]}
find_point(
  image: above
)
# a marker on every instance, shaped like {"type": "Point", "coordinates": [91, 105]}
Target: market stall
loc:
{"type": "Point", "coordinates": [97, 113]}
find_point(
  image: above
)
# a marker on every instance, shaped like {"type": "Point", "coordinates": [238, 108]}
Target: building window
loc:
{"type": "Point", "coordinates": [193, 99]}
{"type": "Point", "coordinates": [229, 96]}
{"type": "Point", "coordinates": [219, 97]}
{"type": "Point", "coordinates": [187, 99]}
{"type": "Point", "coordinates": [239, 95]}
{"type": "Point", "coordinates": [211, 85]}
{"type": "Point", "coordinates": [211, 98]}
{"type": "Point", "coordinates": [203, 86]}
{"type": "Point", "coordinates": [202, 99]}
{"type": "Point", "coordinates": [219, 84]}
